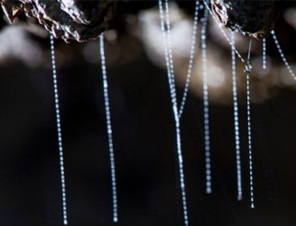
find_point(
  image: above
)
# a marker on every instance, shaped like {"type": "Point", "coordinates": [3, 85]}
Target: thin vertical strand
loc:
{"type": "Point", "coordinates": [166, 52]}
{"type": "Point", "coordinates": [207, 144]}
{"type": "Point", "coordinates": [249, 125]}
{"type": "Point", "coordinates": [59, 130]}
{"type": "Point", "coordinates": [168, 58]}
{"type": "Point", "coordinates": [181, 165]}
{"type": "Point", "coordinates": [223, 32]}
{"type": "Point", "coordinates": [236, 122]}
{"type": "Point", "coordinates": [276, 42]}
{"type": "Point", "coordinates": [264, 53]}
{"type": "Point", "coordinates": [109, 131]}
{"type": "Point", "coordinates": [169, 49]}
{"type": "Point", "coordinates": [175, 112]}
{"type": "Point", "coordinates": [191, 58]}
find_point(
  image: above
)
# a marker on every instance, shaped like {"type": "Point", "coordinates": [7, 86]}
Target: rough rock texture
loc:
{"type": "Point", "coordinates": [252, 18]}
{"type": "Point", "coordinates": [79, 20]}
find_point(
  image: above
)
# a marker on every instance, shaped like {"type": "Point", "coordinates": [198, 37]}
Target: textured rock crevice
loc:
{"type": "Point", "coordinates": [78, 20]}
{"type": "Point", "coordinates": [253, 18]}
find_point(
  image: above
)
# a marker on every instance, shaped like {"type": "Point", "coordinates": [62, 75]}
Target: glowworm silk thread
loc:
{"type": "Point", "coordinates": [236, 122]}
{"type": "Point", "coordinates": [59, 131]}
{"type": "Point", "coordinates": [109, 130]}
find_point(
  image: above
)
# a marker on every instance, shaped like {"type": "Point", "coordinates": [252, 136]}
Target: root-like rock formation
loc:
{"type": "Point", "coordinates": [80, 20]}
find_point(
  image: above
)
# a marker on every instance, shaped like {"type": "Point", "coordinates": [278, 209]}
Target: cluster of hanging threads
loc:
{"type": "Point", "coordinates": [207, 145]}
{"type": "Point", "coordinates": [236, 116]}
{"type": "Point", "coordinates": [248, 69]}
{"type": "Point", "coordinates": [177, 113]}
{"type": "Point", "coordinates": [109, 129]}
{"type": "Point", "coordinates": [59, 130]}
{"type": "Point", "coordinates": [166, 30]}
{"type": "Point", "coordinates": [236, 121]}
{"type": "Point", "coordinates": [165, 25]}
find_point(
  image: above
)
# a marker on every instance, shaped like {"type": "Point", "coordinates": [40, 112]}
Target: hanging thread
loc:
{"type": "Point", "coordinates": [167, 34]}
{"type": "Point", "coordinates": [191, 58]}
{"type": "Point", "coordinates": [207, 144]}
{"type": "Point", "coordinates": [250, 152]}
{"type": "Point", "coordinates": [167, 49]}
{"type": "Point", "coordinates": [109, 130]}
{"type": "Point", "coordinates": [59, 130]}
{"type": "Point", "coordinates": [264, 53]}
{"type": "Point", "coordinates": [276, 42]}
{"type": "Point", "coordinates": [236, 122]}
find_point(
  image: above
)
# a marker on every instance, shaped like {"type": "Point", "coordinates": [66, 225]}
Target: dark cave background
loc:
{"type": "Point", "coordinates": [144, 142]}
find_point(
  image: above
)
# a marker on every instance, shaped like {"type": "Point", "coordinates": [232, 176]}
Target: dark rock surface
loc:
{"type": "Point", "coordinates": [78, 20]}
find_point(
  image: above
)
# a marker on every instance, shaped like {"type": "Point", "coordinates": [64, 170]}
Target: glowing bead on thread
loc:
{"type": "Point", "coordinates": [59, 131]}
{"type": "Point", "coordinates": [236, 121]}
{"type": "Point", "coordinates": [109, 130]}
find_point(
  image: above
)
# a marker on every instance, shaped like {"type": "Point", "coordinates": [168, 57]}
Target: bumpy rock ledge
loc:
{"type": "Point", "coordinates": [79, 20]}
